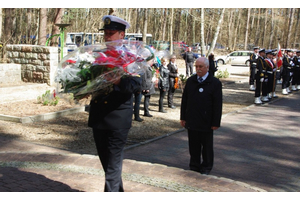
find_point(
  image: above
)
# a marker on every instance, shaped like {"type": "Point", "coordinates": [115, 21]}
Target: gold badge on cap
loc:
{"type": "Point", "coordinates": [107, 21]}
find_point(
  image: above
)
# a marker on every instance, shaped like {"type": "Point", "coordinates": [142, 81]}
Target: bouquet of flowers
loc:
{"type": "Point", "coordinates": [94, 68]}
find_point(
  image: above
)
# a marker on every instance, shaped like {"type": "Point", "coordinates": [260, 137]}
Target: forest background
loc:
{"type": "Point", "coordinates": [233, 28]}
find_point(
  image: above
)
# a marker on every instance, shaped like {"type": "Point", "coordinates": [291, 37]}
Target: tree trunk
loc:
{"type": "Point", "coordinates": [247, 27]}
{"type": "Point", "coordinates": [213, 44]}
{"type": "Point", "coordinates": [265, 28]}
{"type": "Point", "coordinates": [171, 31]}
{"type": "Point", "coordinates": [138, 14]}
{"type": "Point", "coordinates": [8, 25]}
{"type": "Point", "coordinates": [1, 9]}
{"type": "Point", "coordinates": [295, 35]}
{"type": "Point", "coordinates": [257, 28]}
{"type": "Point", "coordinates": [42, 26]}
{"type": "Point", "coordinates": [292, 10]}
{"type": "Point", "coordinates": [164, 25]}
{"type": "Point", "coordinates": [55, 29]}
{"type": "Point", "coordinates": [272, 29]}
{"type": "Point", "coordinates": [145, 25]}
{"type": "Point", "coordinates": [236, 29]}
{"type": "Point", "coordinates": [202, 33]}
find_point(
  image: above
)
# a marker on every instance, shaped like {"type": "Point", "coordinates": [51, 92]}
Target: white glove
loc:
{"type": "Point", "coordinates": [262, 80]}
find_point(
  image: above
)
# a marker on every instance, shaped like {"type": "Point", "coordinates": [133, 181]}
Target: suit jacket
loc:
{"type": "Point", "coordinates": [201, 103]}
{"type": "Point", "coordinates": [173, 71]}
{"type": "Point", "coordinates": [114, 110]}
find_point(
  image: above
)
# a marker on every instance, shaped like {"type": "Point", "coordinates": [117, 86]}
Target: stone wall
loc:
{"type": "Point", "coordinates": [38, 63]}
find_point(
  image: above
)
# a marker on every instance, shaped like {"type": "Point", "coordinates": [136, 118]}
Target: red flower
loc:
{"type": "Point", "coordinates": [71, 61]}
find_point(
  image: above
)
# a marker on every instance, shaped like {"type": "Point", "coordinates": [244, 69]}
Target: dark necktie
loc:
{"type": "Point", "coordinates": [200, 80]}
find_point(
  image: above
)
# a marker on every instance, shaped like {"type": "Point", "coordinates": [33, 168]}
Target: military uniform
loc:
{"type": "Point", "coordinates": [271, 70]}
{"type": "Point", "coordinates": [261, 86]}
{"type": "Point", "coordinates": [296, 72]}
{"type": "Point", "coordinates": [110, 116]}
{"type": "Point", "coordinates": [287, 64]}
{"type": "Point", "coordinates": [253, 63]}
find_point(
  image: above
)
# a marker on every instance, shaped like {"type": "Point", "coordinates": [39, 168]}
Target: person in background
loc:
{"type": "Point", "coordinates": [136, 108]}
{"type": "Point", "coordinates": [189, 58]}
{"type": "Point", "coordinates": [173, 69]}
{"type": "Point", "coordinates": [146, 85]}
{"type": "Point", "coordinates": [200, 114]}
{"type": "Point", "coordinates": [212, 64]}
{"type": "Point", "coordinates": [163, 83]}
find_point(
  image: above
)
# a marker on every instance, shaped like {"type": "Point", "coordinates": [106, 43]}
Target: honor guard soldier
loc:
{"type": "Point", "coordinates": [260, 77]}
{"type": "Point", "coordinates": [296, 72]}
{"type": "Point", "coordinates": [287, 64]}
{"type": "Point", "coordinates": [271, 70]}
{"type": "Point", "coordinates": [253, 63]}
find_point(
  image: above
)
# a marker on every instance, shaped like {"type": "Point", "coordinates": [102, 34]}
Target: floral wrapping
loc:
{"type": "Point", "coordinates": [94, 68]}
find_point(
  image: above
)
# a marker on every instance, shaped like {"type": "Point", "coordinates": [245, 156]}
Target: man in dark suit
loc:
{"type": "Point", "coordinates": [201, 111]}
{"type": "Point", "coordinates": [111, 114]}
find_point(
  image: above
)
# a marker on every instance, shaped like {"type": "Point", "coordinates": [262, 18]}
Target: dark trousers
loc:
{"type": "Point", "coordinates": [286, 77]}
{"type": "Point", "coordinates": [189, 68]}
{"type": "Point", "coordinates": [171, 92]}
{"type": "Point", "coordinates": [201, 144]}
{"type": "Point", "coordinates": [146, 104]}
{"type": "Point", "coordinates": [252, 75]}
{"type": "Point", "coordinates": [296, 76]}
{"type": "Point", "coordinates": [110, 145]}
{"type": "Point", "coordinates": [271, 82]}
{"type": "Point", "coordinates": [258, 86]}
{"type": "Point", "coordinates": [137, 102]}
{"type": "Point", "coordinates": [162, 95]}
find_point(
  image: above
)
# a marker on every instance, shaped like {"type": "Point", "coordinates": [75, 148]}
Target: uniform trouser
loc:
{"type": "Point", "coordinates": [296, 76]}
{"type": "Point", "coordinates": [201, 144]}
{"type": "Point", "coordinates": [271, 82]}
{"type": "Point", "coordinates": [286, 78]}
{"type": "Point", "coordinates": [189, 68]}
{"type": "Point", "coordinates": [252, 75]}
{"type": "Point", "coordinates": [258, 86]}
{"type": "Point", "coordinates": [162, 95]}
{"type": "Point", "coordinates": [146, 104]}
{"type": "Point", "coordinates": [110, 145]}
{"type": "Point", "coordinates": [137, 102]}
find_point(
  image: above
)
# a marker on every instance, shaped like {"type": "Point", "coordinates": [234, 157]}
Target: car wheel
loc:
{"type": "Point", "coordinates": [220, 62]}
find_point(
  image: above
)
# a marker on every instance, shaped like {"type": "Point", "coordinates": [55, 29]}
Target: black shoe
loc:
{"type": "Point", "coordinates": [194, 169]}
{"type": "Point", "coordinates": [138, 119]}
{"type": "Point", "coordinates": [206, 172]}
{"type": "Point", "coordinates": [148, 115]}
{"type": "Point", "coordinates": [173, 107]}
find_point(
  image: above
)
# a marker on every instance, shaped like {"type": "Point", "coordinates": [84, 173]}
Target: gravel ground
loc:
{"type": "Point", "coordinates": [71, 132]}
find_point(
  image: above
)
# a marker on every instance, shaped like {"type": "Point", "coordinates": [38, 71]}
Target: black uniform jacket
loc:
{"type": "Point", "coordinates": [201, 103]}
{"type": "Point", "coordinates": [114, 110]}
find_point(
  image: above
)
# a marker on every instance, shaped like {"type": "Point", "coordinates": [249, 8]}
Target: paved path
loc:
{"type": "Point", "coordinates": [253, 152]}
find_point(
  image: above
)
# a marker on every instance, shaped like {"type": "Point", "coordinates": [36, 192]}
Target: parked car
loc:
{"type": "Point", "coordinates": [235, 58]}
